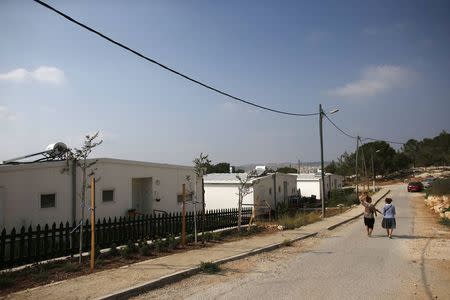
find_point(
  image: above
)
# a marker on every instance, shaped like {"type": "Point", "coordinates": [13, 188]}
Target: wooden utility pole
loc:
{"type": "Point", "coordinates": [92, 223]}
{"type": "Point", "coordinates": [357, 150]}
{"type": "Point", "coordinates": [183, 219]}
{"type": "Point", "coordinates": [322, 171]}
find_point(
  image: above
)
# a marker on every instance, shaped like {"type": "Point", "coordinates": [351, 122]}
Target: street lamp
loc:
{"type": "Point", "coordinates": [322, 168]}
{"type": "Point", "coordinates": [373, 169]}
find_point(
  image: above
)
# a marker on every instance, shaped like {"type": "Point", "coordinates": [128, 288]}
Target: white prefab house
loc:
{"type": "Point", "coordinates": [222, 189]}
{"type": "Point", "coordinates": [310, 184]}
{"type": "Point", "coordinates": [47, 192]}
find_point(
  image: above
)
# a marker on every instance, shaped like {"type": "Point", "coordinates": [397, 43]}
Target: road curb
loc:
{"type": "Point", "coordinates": [357, 216]}
{"type": "Point", "coordinates": [168, 279]}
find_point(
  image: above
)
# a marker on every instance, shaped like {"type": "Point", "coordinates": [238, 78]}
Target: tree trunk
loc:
{"type": "Point", "coordinates": [240, 211]}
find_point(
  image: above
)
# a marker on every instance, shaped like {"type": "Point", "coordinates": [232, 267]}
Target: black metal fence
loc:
{"type": "Point", "coordinates": [42, 243]}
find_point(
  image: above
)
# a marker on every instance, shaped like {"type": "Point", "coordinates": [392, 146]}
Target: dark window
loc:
{"type": "Point", "coordinates": [270, 191]}
{"type": "Point", "coordinates": [279, 189]}
{"type": "Point", "coordinates": [48, 200]}
{"type": "Point", "coordinates": [108, 195]}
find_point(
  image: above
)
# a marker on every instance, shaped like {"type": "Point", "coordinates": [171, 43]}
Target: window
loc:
{"type": "Point", "coordinates": [279, 189]}
{"type": "Point", "coordinates": [48, 200]}
{"type": "Point", "coordinates": [108, 195]}
{"type": "Point", "coordinates": [270, 191]}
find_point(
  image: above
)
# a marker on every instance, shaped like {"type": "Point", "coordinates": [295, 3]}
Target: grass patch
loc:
{"type": "Point", "coordinates": [209, 267]}
{"type": "Point", "coordinates": [445, 222]}
{"type": "Point", "coordinates": [145, 250]}
{"type": "Point", "coordinates": [6, 280]}
{"type": "Point", "coordinates": [298, 220]}
{"type": "Point", "coordinates": [70, 267]}
{"type": "Point", "coordinates": [287, 243]}
{"type": "Point", "coordinates": [40, 276]}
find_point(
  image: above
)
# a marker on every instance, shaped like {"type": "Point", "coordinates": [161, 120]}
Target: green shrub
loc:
{"type": "Point", "coordinates": [100, 262]}
{"type": "Point", "coordinates": [287, 243]}
{"type": "Point", "coordinates": [145, 250]}
{"type": "Point", "coordinates": [127, 252]}
{"type": "Point", "coordinates": [209, 267]}
{"type": "Point", "coordinates": [40, 276]}
{"type": "Point", "coordinates": [347, 197]}
{"type": "Point", "coordinates": [208, 236]}
{"type": "Point", "coordinates": [282, 208]}
{"type": "Point", "coordinates": [6, 280]}
{"type": "Point", "coordinates": [298, 220]}
{"type": "Point", "coordinates": [159, 245]}
{"type": "Point", "coordinates": [70, 267]}
{"type": "Point", "coordinates": [132, 247]}
{"type": "Point", "coordinates": [445, 222]}
{"type": "Point", "coordinates": [439, 187]}
{"type": "Point", "coordinates": [216, 236]}
{"type": "Point", "coordinates": [113, 250]}
{"type": "Point", "coordinates": [172, 242]}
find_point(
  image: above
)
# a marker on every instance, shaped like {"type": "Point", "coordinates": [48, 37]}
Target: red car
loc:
{"type": "Point", "coordinates": [415, 187]}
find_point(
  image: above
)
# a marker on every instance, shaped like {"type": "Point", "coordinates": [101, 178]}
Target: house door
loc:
{"type": "Point", "coordinates": [142, 195]}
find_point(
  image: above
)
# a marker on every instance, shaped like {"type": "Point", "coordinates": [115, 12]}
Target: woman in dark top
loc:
{"type": "Point", "coordinates": [369, 213]}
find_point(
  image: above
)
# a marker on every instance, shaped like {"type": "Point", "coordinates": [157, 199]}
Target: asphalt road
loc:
{"type": "Point", "coordinates": [344, 265]}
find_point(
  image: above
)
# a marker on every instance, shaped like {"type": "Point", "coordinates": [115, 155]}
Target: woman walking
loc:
{"type": "Point", "coordinates": [369, 213]}
{"type": "Point", "coordinates": [388, 222]}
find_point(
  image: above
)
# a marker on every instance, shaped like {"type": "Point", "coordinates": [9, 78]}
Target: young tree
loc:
{"type": "Point", "coordinates": [201, 164]}
{"type": "Point", "coordinates": [80, 157]}
{"type": "Point", "coordinates": [244, 189]}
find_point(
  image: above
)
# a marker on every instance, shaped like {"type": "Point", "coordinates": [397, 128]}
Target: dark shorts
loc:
{"type": "Point", "coordinates": [369, 222]}
{"type": "Point", "coordinates": [388, 223]}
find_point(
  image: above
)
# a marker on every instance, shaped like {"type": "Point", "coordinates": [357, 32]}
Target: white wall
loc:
{"type": "Point", "coordinates": [309, 188]}
{"type": "Point", "coordinates": [23, 185]}
{"type": "Point", "coordinates": [224, 195]}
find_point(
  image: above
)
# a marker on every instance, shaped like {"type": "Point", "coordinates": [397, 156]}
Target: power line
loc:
{"type": "Point", "coordinates": [360, 137]}
{"type": "Point", "coordinates": [169, 68]}
{"type": "Point", "coordinates": [337, 127]}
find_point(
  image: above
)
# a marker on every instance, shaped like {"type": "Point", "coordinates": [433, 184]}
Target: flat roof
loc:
{"type": "Point", "coordinates": [102, 160]}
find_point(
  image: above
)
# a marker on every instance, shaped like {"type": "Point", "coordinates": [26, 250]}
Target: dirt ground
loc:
{"type": "Point", "coordinates": [430, 250]}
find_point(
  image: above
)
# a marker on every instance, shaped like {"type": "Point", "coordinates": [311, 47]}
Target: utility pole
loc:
{"type": "Point", "coordinates": [92, 223]}
{"type": "Point", "coordinates": [321, 160]}
{"type": "Point", "coordinates": [357, 150]}
{"type": "Point", "coordinates": [373, 174]}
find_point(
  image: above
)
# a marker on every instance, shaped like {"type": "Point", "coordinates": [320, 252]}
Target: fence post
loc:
{"type": "Point", "coordinates": [183, 222]}
{"type": "Point", "coordinates": [22, 245]}
{"type": "Point", "coordinates": [61, 239]}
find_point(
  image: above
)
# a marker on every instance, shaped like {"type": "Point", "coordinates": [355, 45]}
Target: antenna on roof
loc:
{"type": "Point", "coordinates": [56, 151]}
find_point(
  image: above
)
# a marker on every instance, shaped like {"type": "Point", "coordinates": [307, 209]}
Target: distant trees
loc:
{"type": "Point", "coordinates": [428, 152]}
{"type": "Point", "coordinates": [287, 170]}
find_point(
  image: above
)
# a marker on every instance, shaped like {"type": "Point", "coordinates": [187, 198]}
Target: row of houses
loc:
{"type": "Point", "coordinates": [47, 192]}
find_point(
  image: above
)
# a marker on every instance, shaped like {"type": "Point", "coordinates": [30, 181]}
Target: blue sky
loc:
{"type": "Point", "coordinates": [384, 64]}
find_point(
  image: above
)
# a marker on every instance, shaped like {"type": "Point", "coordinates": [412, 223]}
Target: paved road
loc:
{"type": "Point", "coordinates": [345, 265]}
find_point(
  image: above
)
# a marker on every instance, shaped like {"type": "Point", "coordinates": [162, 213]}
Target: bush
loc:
{"type": "Point", "coordinates": [70, 267]}
{"type": "Point", "coordinates": [132, 247]}
{"type": "Point", "coordinates": [6, 280]}
{"type": "Point", "coordinates": [208, 236]}
{"type": "Point", "coordinates": [209, 267]}
{"type": "Point", "coordinates": [172, 242]}
{"type": "Point", "coordinates": [347, 197]}
{"type": "Point", "coordinates": [113, 251]}
{"type": "Point", "coordinates": [159, 245]}
{"type": "Point", "coordinates": [145, 250]}
{"type": "Point", "coordinates": [439, 187]}
{"type": "Point", "coordinates": [287, 243]}
{"type": "Point", "coordinates": [445, 222]}
{"type": "Point", "coordinates": [40, 276]}
{"type": "Point", "coordinates": [298, 220]}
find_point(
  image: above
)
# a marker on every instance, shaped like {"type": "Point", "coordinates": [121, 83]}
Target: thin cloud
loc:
{"type": "Point", "coordinates": [44, 74]}
{"type": "Point", "coordinates": [5, 114]}
{"type": "Point", "coordinates": [374, 80]}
